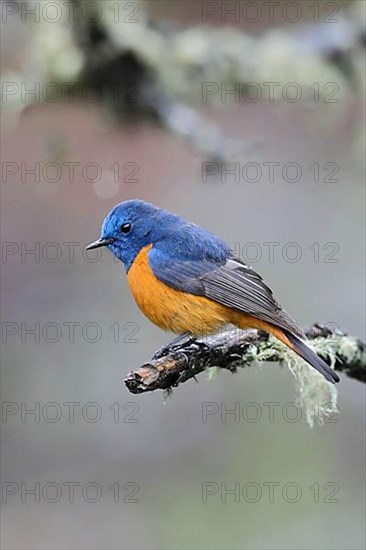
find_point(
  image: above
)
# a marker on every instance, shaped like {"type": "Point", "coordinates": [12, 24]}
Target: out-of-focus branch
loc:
{"type": "Point", "coordinates": [144, 69]}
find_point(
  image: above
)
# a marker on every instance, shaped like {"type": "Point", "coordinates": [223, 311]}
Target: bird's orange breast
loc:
{"type": "Point", "coordinates": [179, 311]}
{"type": "Point", "coordinates": [169, 308]}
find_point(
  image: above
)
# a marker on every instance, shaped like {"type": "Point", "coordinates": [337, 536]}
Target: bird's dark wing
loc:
{"type": "Point", "coordinates": [231, 283]}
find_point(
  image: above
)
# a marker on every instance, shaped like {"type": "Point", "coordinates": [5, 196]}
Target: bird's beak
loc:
{"type": "Point", "coordinates": [99, 243]}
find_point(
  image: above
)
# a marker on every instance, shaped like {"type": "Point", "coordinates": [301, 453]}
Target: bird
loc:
{"type": "Point", "coordinates": [188, 281]}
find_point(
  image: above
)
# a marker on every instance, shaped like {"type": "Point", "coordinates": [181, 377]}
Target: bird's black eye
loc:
{"type": "Point", "coordinates": [126, 228]}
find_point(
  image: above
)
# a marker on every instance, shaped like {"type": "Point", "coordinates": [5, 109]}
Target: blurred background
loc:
{"type": "Point", "coordinates": [107, 101]}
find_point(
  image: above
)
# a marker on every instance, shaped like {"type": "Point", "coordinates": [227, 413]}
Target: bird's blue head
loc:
{"type": "Point", "coordinates": [129, 227]}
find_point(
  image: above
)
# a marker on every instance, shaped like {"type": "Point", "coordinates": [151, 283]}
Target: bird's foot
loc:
{"type": "Point", "coordinates": [186, 337]}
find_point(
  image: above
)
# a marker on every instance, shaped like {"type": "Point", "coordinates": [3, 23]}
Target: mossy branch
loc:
{"type": "Point", "coordinates": [234, 349]}
{"type": "Point", "coordinates": [160, 71]}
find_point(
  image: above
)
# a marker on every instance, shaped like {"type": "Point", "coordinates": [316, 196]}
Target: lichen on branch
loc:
{"type": "Point", "coordinates": [234, 349]}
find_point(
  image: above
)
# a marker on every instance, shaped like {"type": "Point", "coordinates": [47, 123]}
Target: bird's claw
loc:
{"type": "Point", "coordinates": [187, 339]}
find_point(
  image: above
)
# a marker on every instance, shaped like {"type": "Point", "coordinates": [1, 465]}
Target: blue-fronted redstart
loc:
{"type": "Point", "coordinates": [187, 280]}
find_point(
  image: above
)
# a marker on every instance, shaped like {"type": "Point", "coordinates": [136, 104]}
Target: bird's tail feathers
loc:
{"type": "Point", "coordinates": [300, 347]}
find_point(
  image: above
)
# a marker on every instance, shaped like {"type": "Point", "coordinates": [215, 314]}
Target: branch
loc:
{"type": "Point", "coordinates": [235, 349]}
{"type": "Point", "coordinates": [159, 71]}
